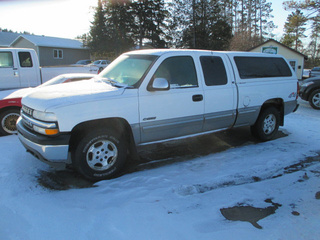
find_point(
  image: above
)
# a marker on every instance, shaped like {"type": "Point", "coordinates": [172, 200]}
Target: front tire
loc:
{"type": "Point", "coordinates": [100, 154]}
{"type": "Point", "coordinates": [267, 125]}
{"type": "Point", "coordinates": [314, 99]}
{"type": "Point", "coordinates": [8, 120]}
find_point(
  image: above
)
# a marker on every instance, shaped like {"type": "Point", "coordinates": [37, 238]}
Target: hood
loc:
{"type": "Point", "coordinates": [69, 94]}
{"type": "Point", "coordinates": [19, 93]}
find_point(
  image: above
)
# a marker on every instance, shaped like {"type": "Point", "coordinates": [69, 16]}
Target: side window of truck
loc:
{"type": "Point", "coordinates": [262, 67]}
{"type": "Point", "coordinates": [6, 60]}
{"type": "Point", "coordinates": [214, 71]}
{"type": "Point", "coordinates": [179, 71]}
{"type": "Point", "coordinates": [25, 59]}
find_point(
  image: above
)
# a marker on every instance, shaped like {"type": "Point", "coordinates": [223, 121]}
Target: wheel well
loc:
{"type": "Point", "coordinates": [119, 124]}
{"type": "Point", "coordinates": [10, 107]}
{"type": "Point", "coordinates": [278, 104]}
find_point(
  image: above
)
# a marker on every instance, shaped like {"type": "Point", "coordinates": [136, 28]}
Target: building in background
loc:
{"type": "Point", "coordinates": [52, 51]}
{"type": "Point", "coordinates": [6, 38]}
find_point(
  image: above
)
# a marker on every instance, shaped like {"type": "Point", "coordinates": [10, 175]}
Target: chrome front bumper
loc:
{"type": "Point", "coordinates": [47, 150]}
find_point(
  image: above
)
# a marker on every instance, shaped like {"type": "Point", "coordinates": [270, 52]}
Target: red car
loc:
{"type": "Point", "coordinates": [10, 104]}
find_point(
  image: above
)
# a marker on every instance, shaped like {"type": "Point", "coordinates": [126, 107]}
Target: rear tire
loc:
{"type": "Point", "coordinates": [267, 125]}
{"type": "Point", "coordinates": [100, 154]}
{"type": "Point", "coordinates": [314, 99]}
{"type": "Point", "coordinates": [8, 120]}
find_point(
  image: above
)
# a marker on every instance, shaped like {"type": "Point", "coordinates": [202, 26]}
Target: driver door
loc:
{"type": "Point", "coordinates": [175, 112]}
{"type": "Point", "coordinates": [9, 73]}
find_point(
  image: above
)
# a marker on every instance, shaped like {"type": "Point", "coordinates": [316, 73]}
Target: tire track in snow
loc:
{"type": "Point", "coordinates": [240, 180]}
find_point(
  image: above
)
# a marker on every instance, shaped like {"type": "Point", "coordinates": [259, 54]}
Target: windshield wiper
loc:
{"type": "Point", "coordinates": [114, 83]}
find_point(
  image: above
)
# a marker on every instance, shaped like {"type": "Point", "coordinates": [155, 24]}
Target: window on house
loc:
{"type": "Point", "coordinates": [293, 64]}
{"type": "Point", "coordinates": [58, 54]}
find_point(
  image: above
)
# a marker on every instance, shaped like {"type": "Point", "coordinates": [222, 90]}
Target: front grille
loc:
{"type": "Point", "coordinates": [26, 114]}
{"type": "Point", "coordinates": [26, 110]}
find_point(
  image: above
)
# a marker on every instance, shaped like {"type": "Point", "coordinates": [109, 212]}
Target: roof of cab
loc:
{"type": "Point", "coordinates": [159, 52]}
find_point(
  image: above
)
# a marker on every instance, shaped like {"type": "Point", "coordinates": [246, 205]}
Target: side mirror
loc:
{"type": "Point", "coordinates": [159, 84]}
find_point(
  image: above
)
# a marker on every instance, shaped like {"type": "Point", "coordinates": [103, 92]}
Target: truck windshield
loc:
{"type": "Point", "coordinates": [127, 70]}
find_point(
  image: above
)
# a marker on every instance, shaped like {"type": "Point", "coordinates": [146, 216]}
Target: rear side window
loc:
{"type": "Point", "coordinates": [262, 67]}
{"type": "Point", "coordinates": [6, 60]}
{"type": "Point", "coordinates": [213, 70]}
{"type": "Point", "coordinates": [25, 59]}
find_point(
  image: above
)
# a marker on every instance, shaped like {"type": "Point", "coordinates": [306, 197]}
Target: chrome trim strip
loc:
{"type": "Point", "coordinates": [38, 123]}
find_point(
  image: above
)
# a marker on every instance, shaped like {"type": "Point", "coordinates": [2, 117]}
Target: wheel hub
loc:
{"type": "Point", "coordinates": [101, 155]}
{"type": "Point", "coordinates": [269, 124]}
{"type": "Point", "coordinates": [9, 123]}
{"type": "Point", "coordinates": [316, 100]}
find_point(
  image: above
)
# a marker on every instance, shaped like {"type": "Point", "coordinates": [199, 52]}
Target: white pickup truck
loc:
{"type": "Point", "coordinates": [19, 68]}
{"type": "Point", "coordinates": [154, 95]}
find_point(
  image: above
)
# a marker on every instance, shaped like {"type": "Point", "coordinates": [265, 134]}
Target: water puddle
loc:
{"type": "Point", "coordinates": [308, 161]}
{"type": "Point", "coordinates": [249, 214]}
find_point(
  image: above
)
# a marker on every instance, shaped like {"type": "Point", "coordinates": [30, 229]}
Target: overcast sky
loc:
{"type": "Point", "coordinates": [71, 18]}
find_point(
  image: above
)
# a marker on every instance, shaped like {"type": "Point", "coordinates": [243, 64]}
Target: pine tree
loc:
{"type": "Point", "coordinates": [150, 19]}
{"type": "Point", "coordinates": [97, 35]}
{"type": "Point", "coordinates": [312, 9]}
{"type": "Point", "coordinates": [294, 30]}
{"type": "Point", "coordinates": [200, 24]}
{"type": "Point", "coordinates": [251, 23]}
{"type": "Point", "coordinates": [119, 25]}
{"type": "Point", "coordinates": [314, 45]}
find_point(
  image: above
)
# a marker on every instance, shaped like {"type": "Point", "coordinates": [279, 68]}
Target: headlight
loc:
{"type": "Point", "coordinates": [45, 123]}
{"type": "Point", "coordinates": [46, 131]}
{"type": "Point", "coordinates": [44, 116]}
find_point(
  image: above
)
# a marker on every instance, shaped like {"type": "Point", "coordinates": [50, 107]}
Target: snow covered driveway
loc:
{"type": "Point", "coordinates": [181, 200]}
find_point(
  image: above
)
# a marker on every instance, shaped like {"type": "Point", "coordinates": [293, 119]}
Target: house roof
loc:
{"type": "Point", "coordinates": [43, 41]}
{"type": "Point", "coordinates": [6, 38]}
{"type": "Point", "coordinates": [272, 40]}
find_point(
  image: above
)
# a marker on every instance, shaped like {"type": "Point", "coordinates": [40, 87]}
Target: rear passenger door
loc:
{"type": "Point", "coordinates": [219, 90]}
{"type": "Point", "coordinates": [174, 112]}
{"type": "Point", "coordinates": [29, 72]}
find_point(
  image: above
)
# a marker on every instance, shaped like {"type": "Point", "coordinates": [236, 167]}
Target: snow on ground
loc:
{"type": "Point", "coordinates": [177, 201]}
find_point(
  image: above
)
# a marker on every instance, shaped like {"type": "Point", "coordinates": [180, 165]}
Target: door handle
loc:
{"type": "Point", "coordinates": [197, 98]}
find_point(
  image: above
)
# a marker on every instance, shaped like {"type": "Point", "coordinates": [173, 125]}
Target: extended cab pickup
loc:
{"type": "Point", "coordinates": [154, 95]}
{"type": "Point", "coordinates": [19, 68]}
